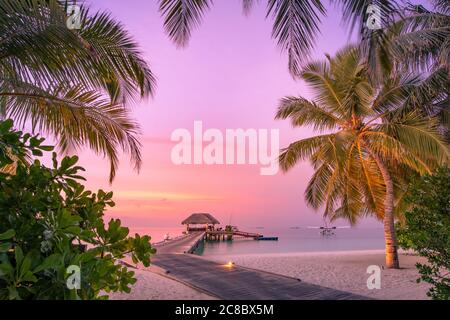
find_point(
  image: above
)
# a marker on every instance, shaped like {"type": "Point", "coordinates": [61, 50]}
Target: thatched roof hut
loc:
{"type": "Point", "coordinates": [201, 218]}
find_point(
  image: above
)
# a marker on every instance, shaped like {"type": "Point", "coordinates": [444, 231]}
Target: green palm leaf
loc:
{"type": "Point", "coordinates": [303, 112]}
{"type": "Point", "coordinates": [295, 27]}
{"type": "Point", "coordinates": [181, 17]}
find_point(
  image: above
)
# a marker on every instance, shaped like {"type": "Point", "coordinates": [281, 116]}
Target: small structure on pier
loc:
{"type": "Point", "coordinates": [206, 223]}
{"type": "Point", "coordinates": [200, 222]}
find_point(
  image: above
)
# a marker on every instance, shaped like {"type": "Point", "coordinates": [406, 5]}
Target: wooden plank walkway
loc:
{"type": "Point", "coordinates": [182, 245]}
{"type": "Point", "coordinates": [236, 282]}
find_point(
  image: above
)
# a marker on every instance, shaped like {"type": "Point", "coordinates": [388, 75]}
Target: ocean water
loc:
{"type": "Point", "coordinates": [298, 240]}
{"type": "Point", "coordinates": [157, 234]}
{"type": "Point", "coordinates": [289, 240]}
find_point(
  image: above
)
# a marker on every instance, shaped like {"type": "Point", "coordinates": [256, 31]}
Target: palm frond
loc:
{"type": "Point", "coordinates": [355, 15]}
{"type": "Point", "coordinates": [301, 150]}
{"type": "Point", "coordinates": [247, 5]}
{"type": "Point", "coordinates": [116, 58]}
{"type": "Point", "coordinates": [295, 27]}
{"type": "Point", "coordinates": [371, 181]}
{"type": "Point", "coordinates": [303, 112]}
{"type": "Point", "coordinates": [73, 84]}
{"type": "Point", "coordinates": [442, 5]}
{"type": "Point", "coordinates": [419, 134]}
{"type": "Point", "coordinates": [317, 76]}
{"type": "Point", "coordinates": [181, 17]}
{"type": "Point", "coordinates": [319, 185]}
{"type": "Point", "coordinates": [77, 118]}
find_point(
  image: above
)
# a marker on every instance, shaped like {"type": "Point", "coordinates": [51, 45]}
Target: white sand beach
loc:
{"type": "Point", "coordinates": [342, 270]}
{"type": "Point", "coordinates": [339, 270]}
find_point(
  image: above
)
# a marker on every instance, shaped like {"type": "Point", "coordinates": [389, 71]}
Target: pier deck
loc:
{"type": "Point", "coordinates": [234, 282]}
{"type": "Point", "coordinates": [185, 244]}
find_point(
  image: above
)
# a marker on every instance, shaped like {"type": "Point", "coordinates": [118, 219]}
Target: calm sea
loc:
{"type": "Point", "coordinates": [289, 240]}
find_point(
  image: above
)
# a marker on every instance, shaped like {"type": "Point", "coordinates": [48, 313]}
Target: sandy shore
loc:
{"type": "Point", "coordinates": [341, 270]}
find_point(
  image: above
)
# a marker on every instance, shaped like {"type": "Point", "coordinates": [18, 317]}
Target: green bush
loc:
{"type": "Point", "coordinates": [427, 230]}
{"type": "Point", "coordinates": [49, 222]}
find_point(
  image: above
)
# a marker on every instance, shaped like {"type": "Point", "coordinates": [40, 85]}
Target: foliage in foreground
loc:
{"type": "Point", "coordinates": [427, 230]}
{"type": "Point", "coordinates": [48, 222]}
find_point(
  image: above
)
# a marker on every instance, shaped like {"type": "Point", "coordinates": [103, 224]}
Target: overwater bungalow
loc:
{"type": "Point", "coordinates": [200, 222]}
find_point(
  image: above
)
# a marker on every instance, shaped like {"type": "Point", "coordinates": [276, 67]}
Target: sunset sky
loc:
{"type": "Point", "coordinates": [231, 75]}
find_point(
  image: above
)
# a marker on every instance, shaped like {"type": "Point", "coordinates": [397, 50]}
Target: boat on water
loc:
{"type": "Point", "coordinates": [267, 238]}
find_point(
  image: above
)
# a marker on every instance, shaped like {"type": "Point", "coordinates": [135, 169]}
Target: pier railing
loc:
{"type": "Point", "coordinates": [224, 234]}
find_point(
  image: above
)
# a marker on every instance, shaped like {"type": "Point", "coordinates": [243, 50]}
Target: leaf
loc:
{"type": "Point", "coordinates": [47, 148]}
{"type": "Point", "coordinates": [7, 270]}
{"type": "Point", "coordinates": [5, 246]}
{"type": "Point", "coordinates": [51, 262]}
{"type": "Point", "coordinates": [18, 253]}
{"type": "Point", "coordinates": [13, 293]}
{"type": "Point", "coordinates": [37, 152]}
{"type": "Point", "coordinates": [29, 277]}
{"type": "Point", "coordinates": [296, 23]}
{"type": "Point", "coordinates": [6, 125]}
{"type": "Point", "coordinates": [181, 17]}
{"type": "Point", "coordinates": [7, 234]}
{"type": "Point", "coordinates": [25, 266]}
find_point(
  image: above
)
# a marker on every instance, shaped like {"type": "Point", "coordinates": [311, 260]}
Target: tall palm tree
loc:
{"type": "Point", "coordinates": [73, 84]}
{"type": "Point", "coordinates": [295, 23]}
{"type": "Point", "coordinates": [373, 138]}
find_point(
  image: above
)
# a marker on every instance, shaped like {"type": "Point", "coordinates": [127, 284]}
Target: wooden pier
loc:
{"type": "Point", "coordinates": [234, 282]}
{"type": "Point", "coordinates": [185, 244]}
{"type": "Point", "coordinates": [229, 281]}
{"type": "Point", "coordinates": [229, 235]}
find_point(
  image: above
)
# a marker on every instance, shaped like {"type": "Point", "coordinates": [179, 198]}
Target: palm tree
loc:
{"type": "Point", "coordinates": [295, 23]}
{"type": "Point", "coordinates": [373, 139]}
{"type": "Point", "coordinates": [73, 84]}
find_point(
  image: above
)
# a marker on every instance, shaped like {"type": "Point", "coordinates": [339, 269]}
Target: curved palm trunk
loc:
{"type": "Point", "coordinates": [388, 220]}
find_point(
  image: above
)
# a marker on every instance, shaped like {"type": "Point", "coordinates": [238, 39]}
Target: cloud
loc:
{"type": "Point", "coordinates": [161, 196]}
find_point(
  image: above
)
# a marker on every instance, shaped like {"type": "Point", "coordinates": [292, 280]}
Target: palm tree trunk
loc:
{"type": "Point", "coordinates": [388, 220]}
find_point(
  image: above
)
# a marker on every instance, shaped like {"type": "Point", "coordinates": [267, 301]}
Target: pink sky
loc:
{"type": "Point", "coordinates": [232, 75]}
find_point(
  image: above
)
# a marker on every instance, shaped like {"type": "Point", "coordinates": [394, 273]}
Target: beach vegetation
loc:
{"type": "Point", "coordinates": [426, 230]}
{"type": "Point", "coordinates": [55, 242]}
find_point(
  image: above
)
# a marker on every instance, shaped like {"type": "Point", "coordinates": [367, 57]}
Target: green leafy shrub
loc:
{"type": "Point", "coordinates": [427, 230]}
{"type": "Point", "coordinates": [49, 222]}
